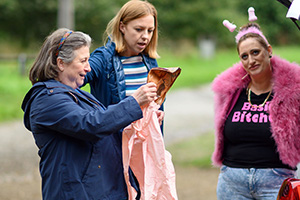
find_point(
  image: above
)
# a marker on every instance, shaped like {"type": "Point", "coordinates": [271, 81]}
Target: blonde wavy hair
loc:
{"type": "Point", "coordinates": [132, 10]}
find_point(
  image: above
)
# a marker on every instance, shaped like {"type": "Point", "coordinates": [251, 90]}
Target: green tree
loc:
{"type": "Point", "coordinates": [92, 16]}
{"type": "Point", "coordinates": [271, 17]}
{"type": "Point", "coordinates": [27, 20]}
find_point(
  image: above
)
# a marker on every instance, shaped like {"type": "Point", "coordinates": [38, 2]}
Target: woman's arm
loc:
{"type": "Point", "coordinates": [61, 113]}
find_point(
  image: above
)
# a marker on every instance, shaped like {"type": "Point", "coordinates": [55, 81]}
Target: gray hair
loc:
{"type": "Point", "coordinates": [45, 66]}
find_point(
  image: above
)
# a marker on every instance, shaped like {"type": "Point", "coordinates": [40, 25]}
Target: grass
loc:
{"type": "Point", "coordinates": [195, 71]}
{"type": "Point", "coordinates": [290, 53]}
{"type": "Point", "coordinates": [13, 87]}
{"type": "Point", "coordinates": [194, 151]}
{"type": "Point", "coordinates": [12, 90]}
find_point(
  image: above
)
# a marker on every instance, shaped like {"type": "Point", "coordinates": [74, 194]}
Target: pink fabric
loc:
{"type": "Point", "coordinates": [284, 107]}
{"type": "Point", "coordinates": [250, 30]}
{"type": "Point", "coordinates": [144, 151]}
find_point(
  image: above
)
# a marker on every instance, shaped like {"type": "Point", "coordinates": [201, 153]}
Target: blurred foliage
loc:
{"type": "Point", "coordinates": [27, 20]}
{"type": "Point", "coordinates": [196, 70]}
{"type": "Point", "coordinates": [92, 16]}
{"type": "Point", "coordinates": [195, 151]}
{"type": "Point", "coordinates": [271, 17]}
{"type": "Point", "coordinates": [30, 21]}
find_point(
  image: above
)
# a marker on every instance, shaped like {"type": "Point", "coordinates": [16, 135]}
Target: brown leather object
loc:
{"type": "Point", "coordinates": [164, 79]}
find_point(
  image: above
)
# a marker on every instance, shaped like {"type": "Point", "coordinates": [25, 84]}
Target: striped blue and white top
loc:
{"type": "Point", "coordinates": [135, 73]}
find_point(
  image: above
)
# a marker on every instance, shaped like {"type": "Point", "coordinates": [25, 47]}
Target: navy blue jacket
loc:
{"type": "Point", "coordinates": [79, 141]}
{"type": "Point", "coordinates": [107, 77]}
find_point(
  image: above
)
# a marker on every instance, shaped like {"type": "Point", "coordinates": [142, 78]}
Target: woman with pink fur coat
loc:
{"type": "Point", "coordinates": [257, 120]}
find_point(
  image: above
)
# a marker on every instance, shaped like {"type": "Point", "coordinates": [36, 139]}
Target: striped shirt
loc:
{"type": "Point", "coordinates": [135, 73]}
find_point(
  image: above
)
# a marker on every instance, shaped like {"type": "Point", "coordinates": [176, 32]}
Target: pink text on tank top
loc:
{"type": "Point", "coordinates": [245, 116]}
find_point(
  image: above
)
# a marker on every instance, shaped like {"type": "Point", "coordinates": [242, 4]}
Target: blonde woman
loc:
{"type": "Point", "coordinates": [122, 65]}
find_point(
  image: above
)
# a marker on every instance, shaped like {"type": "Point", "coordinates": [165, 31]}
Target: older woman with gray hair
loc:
{"type": "Point", "coordinates": [79, 140]}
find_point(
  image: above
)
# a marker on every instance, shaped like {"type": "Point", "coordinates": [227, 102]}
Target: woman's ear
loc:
{"type": "Point", "coordinates": [270, 51]}
{"type": "Point", "coordinates": [122, 27]}
{"type": "Point", "coordinates": [60, 64]}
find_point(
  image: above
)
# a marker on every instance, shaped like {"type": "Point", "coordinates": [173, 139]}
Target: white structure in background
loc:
{"type": "Point", "coordinates": [207, 47]}
{"type": "Point", "coordinates": [294, 10]}
{"type": "Point", "coordinates": [66, 14]}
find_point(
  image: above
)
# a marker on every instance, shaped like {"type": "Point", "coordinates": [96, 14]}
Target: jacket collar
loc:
{"type": "Point", "coordinates": [285, 77]}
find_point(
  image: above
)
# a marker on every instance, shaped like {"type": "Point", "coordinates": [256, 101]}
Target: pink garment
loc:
{"type": "Point", "coordinates": [284, 107]}
{"type": "Point", "coordinates": [144, 151]}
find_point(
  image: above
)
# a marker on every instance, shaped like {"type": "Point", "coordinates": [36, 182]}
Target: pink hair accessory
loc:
{"type": "Point", "coordinates": [250, 30]}
{"type": "Point", "coordinates": [231, 27]}
{"type": "Point", "coordinates": [251, 13]}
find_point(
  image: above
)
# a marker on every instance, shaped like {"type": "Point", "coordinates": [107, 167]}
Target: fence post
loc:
{"type": "Point", "coordinates": [207, 47]}
{"type": "Point", "coordinates": [22, 58]}
{"type": "Point", "coordinates": [66, 14]}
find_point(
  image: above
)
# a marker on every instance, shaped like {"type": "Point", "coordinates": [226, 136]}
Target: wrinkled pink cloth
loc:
{"type": "Point", "coordinates": [144, 151]}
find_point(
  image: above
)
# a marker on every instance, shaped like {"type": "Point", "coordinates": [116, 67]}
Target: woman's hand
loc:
{"type": "Point", "coordinates": [160, 116]}
{"type": "Point", "coordinates": [145, 94]}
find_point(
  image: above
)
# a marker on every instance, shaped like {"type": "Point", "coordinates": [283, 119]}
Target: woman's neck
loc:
{"type": "Point", "coordinates": [259, 87]}
{"type": "Point", "coordinates": [261, 84]}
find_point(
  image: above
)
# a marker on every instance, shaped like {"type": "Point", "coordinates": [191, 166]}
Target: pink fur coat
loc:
{"type": "Point", "coordinates": [284, 108]}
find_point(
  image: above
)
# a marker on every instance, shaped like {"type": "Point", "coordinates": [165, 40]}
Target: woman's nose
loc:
{"type": "Point", "coordinates": [251, 59]}
{"type": "Point", "coordinates": [145, 35]}
{"type": "Point", "coordinates": [87, 67]}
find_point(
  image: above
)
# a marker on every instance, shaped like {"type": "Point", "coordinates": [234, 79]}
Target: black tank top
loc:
{"type": "Point", "coordinates": [248, 139]}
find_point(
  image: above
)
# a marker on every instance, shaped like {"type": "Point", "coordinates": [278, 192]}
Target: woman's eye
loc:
{"type": "Point", "coordinates": [244, 57]}
{"type": "Point", "coordinates": [138, 29]}
{"type": "Point", "coordinates": [150, 31]}
{"type": "Point", "coordinates": [255, 52]}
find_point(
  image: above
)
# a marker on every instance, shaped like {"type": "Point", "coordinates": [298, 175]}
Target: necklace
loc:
{"type": "Point", "coordinates": [261, 105]}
